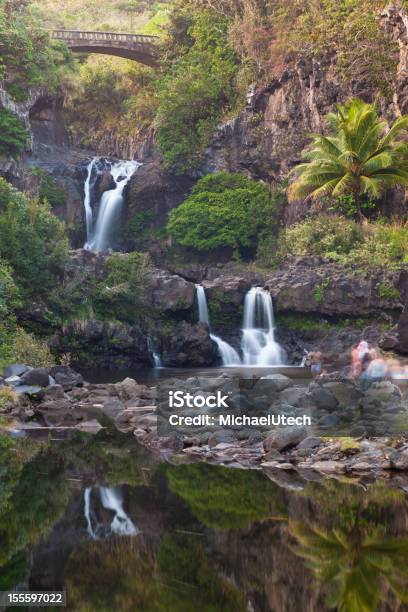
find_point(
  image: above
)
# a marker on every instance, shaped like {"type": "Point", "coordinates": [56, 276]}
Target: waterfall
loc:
{"type": "Point", "coordinates": [111, 499]}
{"type": "Point", "coordinates": [100, 235]}
{"type": "Point", "coordinates": [87, 512]}
{"type": "Point", "coordinates": [155, 355]}
{"type": "Point", "coordinates": [87, 202]}
{"type": "Point", "coordinates": [258, 344]}
{"type": "Point", "coordinates": [228, 354]}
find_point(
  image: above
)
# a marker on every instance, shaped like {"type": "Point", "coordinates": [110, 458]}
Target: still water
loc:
{"type": "Point", "coordinates": [118, 530]}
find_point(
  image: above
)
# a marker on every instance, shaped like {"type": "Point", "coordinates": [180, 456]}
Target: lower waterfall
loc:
{"type": "Point", "coordinates": [228, 354]}
{"type": "Point", "coordinates": [258, 344]}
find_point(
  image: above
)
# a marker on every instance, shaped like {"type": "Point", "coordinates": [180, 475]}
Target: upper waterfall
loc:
{"type": "Point", "coordinates": [100, 235]}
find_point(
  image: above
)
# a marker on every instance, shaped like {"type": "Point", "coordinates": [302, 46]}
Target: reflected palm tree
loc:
{"type": "Point", "coordinates": [358, 568]}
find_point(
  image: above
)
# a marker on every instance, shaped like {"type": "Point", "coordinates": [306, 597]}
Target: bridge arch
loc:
{"type": "Point", "coordinates": [136, 47]}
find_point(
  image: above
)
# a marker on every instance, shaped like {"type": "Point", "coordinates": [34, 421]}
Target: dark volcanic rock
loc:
{"type": "Point", "coordinates": [37, 377]}
{"type": "Point", "coordinates": [67, 377]}
{"type": "Point", "coordinates": [188, 346]}
{"type": "Point", "coordinates": [171, 292]}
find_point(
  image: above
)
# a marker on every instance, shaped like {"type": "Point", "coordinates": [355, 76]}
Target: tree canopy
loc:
{"type": "Point", "coordinates": [359, 156]}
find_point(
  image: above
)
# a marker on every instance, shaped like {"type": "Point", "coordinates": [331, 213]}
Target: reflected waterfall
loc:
{"type": "Point", "coordinates": [110, 498]}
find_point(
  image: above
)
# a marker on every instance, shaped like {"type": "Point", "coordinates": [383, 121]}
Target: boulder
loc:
{"type": "Point", "coordinates": [276, 382]}
{"type": "Point", "coordinates": [171, 292]}
{"type": "Point", "coordinates": [384, 391]}
{"type": "Point", "coordinates": [295, 396]}
{"type": "Point", "coordinates": [53, 392]}
{"type": "Point", "coordinates": [345, 393]}
{"type": "Point", "coordinates": [220, 436]}
{"type": "Point", "coordinates": [15, 369]}
{"type": "Point", "coordinates": [309, 443]}
{"type": "Point", "coordinates": [323, 399]}
{"type": "Point", "coordinates": [113, 407]}
{"type": "Point", "coordinates": [189, 346]}
{"type": "Point", "coordinates": [285, 437]}
{"type": "Point", "coordinates": [66, 377]}
{"type": "Point", "coordinates": [128, 389]}
{"type": "Point", "coordinates": [38, 377]}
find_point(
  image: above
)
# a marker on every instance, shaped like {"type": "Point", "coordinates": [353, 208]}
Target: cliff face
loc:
{"type": "Point", "coordinates": [266, 140]}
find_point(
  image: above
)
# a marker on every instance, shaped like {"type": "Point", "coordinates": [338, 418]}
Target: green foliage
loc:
{"type": "Point", "coordinates": [344, 241]}
{"type": "Point", "coordinates": [13, 135]}
{"type": "Point", "coordinates": [323, 235]}
{"type": "Point", "coordinates": [198, 89]}
{"type": "Point", "coordinates": [32, 241]}
{"type": "Point", "coordinates": [346, 205]}
{"type": "Point", "coordinates": [222, 498]}
{"type": "Point", "coordinates": [48, 188]}
{"type": "Point", "coordinates": [114, 95]}
{"type": "Point", "coordinates": [32, 497]}
{"type": "Point", "coordinates": [29, 58]}
{"type": "Point", "coordinates": [388, 291]}
{"type": "Point", "coordinates": [26, 348]}
{"type": "Point", "coordinates": [320, 289]}
{"type": "Point", "coordinates": [359, 157]}
{"type": "Point", "coordinates": [224, 210]}
{"type": "Point", "coordinates": [9, 302]}
{"type": "Point", "coordinates": [121, 294]}
{"type": "Point", "coordinates": [182, 561]}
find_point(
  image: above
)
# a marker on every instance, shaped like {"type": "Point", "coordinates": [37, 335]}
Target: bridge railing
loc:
{"type": "Point", "coordinates": [102, 36]}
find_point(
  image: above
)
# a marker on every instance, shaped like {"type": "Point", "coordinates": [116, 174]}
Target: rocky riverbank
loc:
{"type": "Point", "coordinates": [355, 429]}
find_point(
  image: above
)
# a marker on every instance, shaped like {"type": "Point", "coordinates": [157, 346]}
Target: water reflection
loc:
{"type": "Point", "coordinates": [98, 517]}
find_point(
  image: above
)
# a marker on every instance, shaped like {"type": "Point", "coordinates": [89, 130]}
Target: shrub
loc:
{"type": "Point", "coordinates": [9, 302]}
{"type": "Point", "coordinates": [7, 396]}
{"type": "Point", "coordinates": [224, 210]}
{"type": "Point", "coordinates": [343, 240]}
{"type": "Point", "coordinates": [324, 235]}
{"type": "Point", "coordinates": [30, 350]}
{"type": "Point", "coordinates": [33, 242]}
{"type": "Point", "coordinates": [122, 292]}
{"type": "Point", "coordinates": [13, 135]}
{"type": "Point", "coordinates": [48, 189]}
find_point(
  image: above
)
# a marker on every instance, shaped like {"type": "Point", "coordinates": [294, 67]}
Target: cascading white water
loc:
{"type": "Point", "coordinates": [99, 235]}
{"type": "Point", "coordinates": [87, 203]}
{"type": "Point", "coordinates": [228, 354]}
{"type": "Point", "coordinates": [111, 205]}
{"type": "Point", "coordinates": [111, 499]}
{"type": "Point", "coordinates": [87, 512]}
{"type": "Point", "coordinates": [258, 344]}
{"type": "Point", "coordinates": [156, 357]}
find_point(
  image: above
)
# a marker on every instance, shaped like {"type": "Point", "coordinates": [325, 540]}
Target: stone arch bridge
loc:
{"type": "Point", "coordinates": [136, 47]}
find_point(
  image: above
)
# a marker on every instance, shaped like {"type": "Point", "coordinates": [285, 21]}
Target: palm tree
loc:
{"type": "Point", "coordinates": [362, 156]}
{"type": "Point", "coordinates": [358, 568]}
